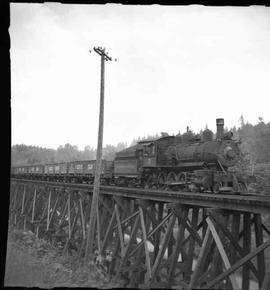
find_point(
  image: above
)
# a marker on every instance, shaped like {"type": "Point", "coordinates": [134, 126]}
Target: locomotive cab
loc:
{"type": "Point", "coordinates": [149, 153]}
{"type": "Point", "coordinates": [149, 149]}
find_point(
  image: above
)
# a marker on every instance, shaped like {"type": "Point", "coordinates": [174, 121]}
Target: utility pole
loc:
{"type": "Point", "coordinates": [94, 204]}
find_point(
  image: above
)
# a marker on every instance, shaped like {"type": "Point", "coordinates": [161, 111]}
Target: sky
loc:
{"type": "Point", "coordinates": [177, 66]}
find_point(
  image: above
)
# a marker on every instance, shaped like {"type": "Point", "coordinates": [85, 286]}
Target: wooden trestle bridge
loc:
{"type": "Point", "coordinates": [152, 238]}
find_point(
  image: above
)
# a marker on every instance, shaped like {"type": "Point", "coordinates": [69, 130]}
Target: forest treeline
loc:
{"type": "Point", "coordinates": [26, 155]}
{"type": "Point", "coordinates": [255, 150]}
{"type": "Point", "coordinates": [255, 145]}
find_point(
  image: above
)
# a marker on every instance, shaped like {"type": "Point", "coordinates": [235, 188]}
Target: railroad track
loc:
{"type": "Point", "coordinates": [249, 202]}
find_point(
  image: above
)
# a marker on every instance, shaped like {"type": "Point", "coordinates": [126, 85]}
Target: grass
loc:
{"type": "Point", "coordinates": [31, 262]}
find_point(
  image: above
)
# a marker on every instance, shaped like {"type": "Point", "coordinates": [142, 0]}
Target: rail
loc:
{"type": "Point", "coordinates": [246, 203]}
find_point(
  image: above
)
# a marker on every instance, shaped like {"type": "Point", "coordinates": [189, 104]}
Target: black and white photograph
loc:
{"type": "Point", "coordinates": [140, 146]}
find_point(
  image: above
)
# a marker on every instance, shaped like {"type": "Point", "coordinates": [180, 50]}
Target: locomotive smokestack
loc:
{"type": "Point", "coordinates": [220, 128]}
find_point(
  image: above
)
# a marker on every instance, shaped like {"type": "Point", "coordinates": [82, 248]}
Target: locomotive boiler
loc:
{"type": "Point", "coordinates": [221, 153]}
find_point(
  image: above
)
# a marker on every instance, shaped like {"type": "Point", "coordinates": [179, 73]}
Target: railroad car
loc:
{"type": "Point", "coordinates": [81, 171]}
{"type": "Point", "coordinates": [55, 171]}
{"type": "Point", "coordinates": [36, 171]}
{"type": "Point", "coordinates": [28, 171]}
{"type": "Point", "coordinates": [84, 171]}
{"type": "Point", "coordinates": [127, 165]}
{"type": "Point", "coordinates": [78, 171]}
{"type": "Point", "coordinates": [17, 171]}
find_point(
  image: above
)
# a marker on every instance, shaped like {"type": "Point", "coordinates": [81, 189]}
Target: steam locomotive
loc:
{"type": "Point", "coordinates": [184, 163]}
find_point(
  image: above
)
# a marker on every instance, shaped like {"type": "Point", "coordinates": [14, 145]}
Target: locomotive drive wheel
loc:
{"type": "Point", "coordinates": [151, 181]}
{"type": "Point", "coordinates": [182, 178]}
{"type": "Point", "coordinates": [161, 180]}
{"type": "Point", "coordinates": [242, 187]}
{"type": "Point", "coordinates": [215, 187]}
{"type": "Point", "coordinates": [172, 177]}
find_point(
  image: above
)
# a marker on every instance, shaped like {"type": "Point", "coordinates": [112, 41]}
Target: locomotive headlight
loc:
{"type": "Point", "coordinates": [229, 153]}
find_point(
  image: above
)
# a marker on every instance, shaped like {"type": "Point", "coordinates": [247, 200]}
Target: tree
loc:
{"type": "Point", "coordinates": [242, 121]}
{"type": "Point", "coordinates": [261, 120]}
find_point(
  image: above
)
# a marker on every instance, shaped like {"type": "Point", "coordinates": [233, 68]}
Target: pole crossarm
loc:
{"type": "Point", "coordinates": [101, 51]}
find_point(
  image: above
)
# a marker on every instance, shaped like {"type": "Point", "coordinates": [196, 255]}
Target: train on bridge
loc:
{"type": "Point", "coordinates": [185, 163]}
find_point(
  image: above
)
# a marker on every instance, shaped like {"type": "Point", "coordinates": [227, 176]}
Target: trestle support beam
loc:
{"type": "Point", "coordinates": [150, 243]}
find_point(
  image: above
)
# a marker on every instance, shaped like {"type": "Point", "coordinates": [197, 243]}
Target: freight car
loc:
{"type": "Point", "coordinates": [84, 171]}
{"type": "Point", "coordinates": [55, 171]}
{"type": "Point", "coordinates": [74, 171]}
{"type": "Point", "coordinates": [28, 171]}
